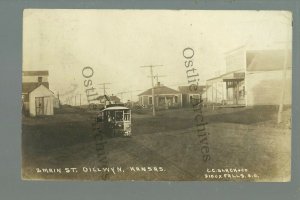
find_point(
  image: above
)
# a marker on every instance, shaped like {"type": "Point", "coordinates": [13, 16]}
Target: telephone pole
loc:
{"type": "Point", "coordinates": [104, 87]}
{"type": "Point", "coordinates": [79, 99]}
{"type": "Point", "coordinates": [284, 69]}
{"type": "Point", "coordinates": [152, 77]}
{"type": "Point", "coordinates": [156, 77]}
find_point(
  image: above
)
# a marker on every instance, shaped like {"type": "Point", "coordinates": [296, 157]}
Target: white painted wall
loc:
{"type": "Point", "coordinates": [264, 88]}
{"type": "Point", "coordinates": [41, 91]}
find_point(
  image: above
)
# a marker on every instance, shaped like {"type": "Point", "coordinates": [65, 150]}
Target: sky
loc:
{"type": "Point", "coordinates": [115, 43]}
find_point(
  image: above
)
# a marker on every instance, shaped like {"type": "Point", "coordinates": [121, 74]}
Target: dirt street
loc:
{"type": "Point", "coordinates": [166, 147]}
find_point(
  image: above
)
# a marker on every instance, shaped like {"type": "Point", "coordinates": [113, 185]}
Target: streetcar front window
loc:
{"type": "Point", "coordinates": [119, 115]}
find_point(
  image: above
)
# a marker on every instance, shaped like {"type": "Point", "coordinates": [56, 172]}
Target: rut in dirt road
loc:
{"type": "Point", "coordinates": [144, 156]}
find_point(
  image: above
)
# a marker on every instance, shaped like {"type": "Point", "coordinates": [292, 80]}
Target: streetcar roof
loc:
{"type": "Point", "coordinates": [116, 108]}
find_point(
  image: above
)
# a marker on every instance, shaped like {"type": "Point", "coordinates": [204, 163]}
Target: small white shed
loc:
{"type": "Point", "coordinates": [41, 101]}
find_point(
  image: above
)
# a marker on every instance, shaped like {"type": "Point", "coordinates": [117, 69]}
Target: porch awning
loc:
{"type": "Point", "coordinates": [234, 76]}
{"type": "Point", "coordinates": [166, 95]}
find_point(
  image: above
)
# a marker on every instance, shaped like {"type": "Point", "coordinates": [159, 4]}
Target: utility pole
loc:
{"type": "Point", "coordinates": [58, 98]}
{"type": "Point", "coordinates": [152, 77]}
{"type": "Point", "coordinates": [284, 70]}
{"type": "Point", "coordinates": [104, 91]}
{"type": "Point", "coordinates": [156, 77]}
{"type": "Point", "coordinates": [104, 87]}
{"type": "Point", "coordinates": [79, 99]}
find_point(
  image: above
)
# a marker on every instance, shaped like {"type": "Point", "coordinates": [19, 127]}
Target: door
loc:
{"type": "Point", "coordinates": [39, 105]}
{"type": "Point", "coordinates": [235, 92]}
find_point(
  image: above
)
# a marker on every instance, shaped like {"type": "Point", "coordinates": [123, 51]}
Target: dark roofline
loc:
{"type": "Point", "coordinates": [35, 73]}
{"type": "Point", "coordinates": [225, 74]}
{"type": "Point", "coordinates": [157, 87]}
{"type": "Point", "coordinates": [234, 50]}
{"type": "Point", "coordinates": [40, 86]}
{"type": "Point", "coordinates": [29, 87]}
{"type": "Point", "coordinates": [43, 86]}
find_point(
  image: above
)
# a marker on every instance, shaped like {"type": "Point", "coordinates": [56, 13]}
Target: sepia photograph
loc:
{"type": "Point", "coordinates": [156, 95]}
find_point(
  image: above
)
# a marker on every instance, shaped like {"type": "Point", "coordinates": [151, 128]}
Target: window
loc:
{"type": "Point", "coordinates": [176, 99]}
{"type": "Point", "coordinates": [119, 115]}
{"type": "Point", "coordinates": [126, 117]}
{"type": "Point", "coordinates": [40, 79]}
{"type": "Point", "coordinates": [150, 100]}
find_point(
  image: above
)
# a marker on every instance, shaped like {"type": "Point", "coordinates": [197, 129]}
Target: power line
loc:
{"type": "Point", "coordinates": [125, 92]}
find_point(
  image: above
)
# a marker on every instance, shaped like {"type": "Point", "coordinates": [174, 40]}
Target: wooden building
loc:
{"type": "Point", "coordinates": [164, 97]}
{"type": "Point", "coordinates": [253, 77]}
{"type": "Point", "coordinates": [37, 98]}
{"type": "Point", "coordinates": [189, 94]}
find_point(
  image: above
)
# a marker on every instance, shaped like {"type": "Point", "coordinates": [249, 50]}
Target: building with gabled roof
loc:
{"type": "Point", "coordinates": [252, 77]}
{"type": "Point", "coordinates": [164, 97]}
{"type": "Point", "coordinates": [190, 94]}
{"type": "Point", "coordinates": [37, 98]}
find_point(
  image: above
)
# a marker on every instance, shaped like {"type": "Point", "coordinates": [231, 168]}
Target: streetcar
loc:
{"type": "Point", "coordinates": [115, 120]}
